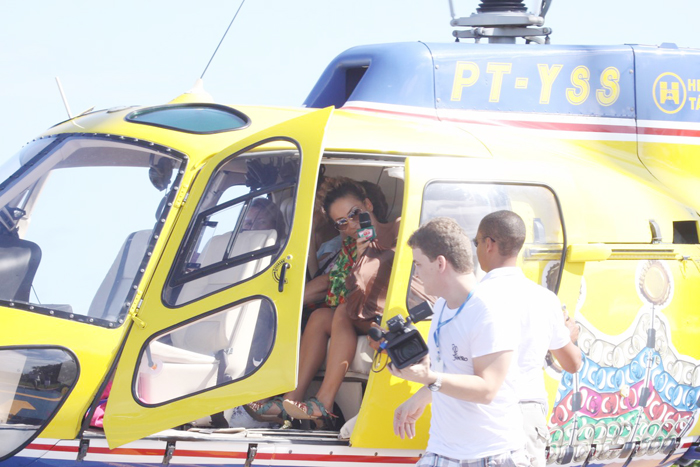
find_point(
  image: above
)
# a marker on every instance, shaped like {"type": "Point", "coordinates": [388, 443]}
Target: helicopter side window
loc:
{"type": "Point", "coordinates": [76, 221]}
{"type": "Point", "coordinates": [468, 203]}
{"type": "Point", "coordinates": [238, 228]}
{"type": "Point", "coordinates": [220, 348]}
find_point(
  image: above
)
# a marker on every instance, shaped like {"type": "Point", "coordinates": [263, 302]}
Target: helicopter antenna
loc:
{"type": "Point", "coordinates": [222, 39]}
{"type": "Point", "coordinates": [63, 96]}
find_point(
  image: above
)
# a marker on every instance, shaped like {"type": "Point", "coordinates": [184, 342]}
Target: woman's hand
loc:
{"type": "Point", "coordinates": [362, 244]}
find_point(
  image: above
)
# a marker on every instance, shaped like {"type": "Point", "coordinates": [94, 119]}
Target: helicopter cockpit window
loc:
{"type": "Point", "coordinates": [77, 221]}
{"type": "Point", "coordinates": [468, 203]}
{"type": "Point", "coordinates": [191, 118]}
{"type": "Point", "coordinates": [241, 224]}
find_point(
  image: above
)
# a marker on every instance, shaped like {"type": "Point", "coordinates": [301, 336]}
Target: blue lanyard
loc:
{"type": "Point", "coordinates": [436, 333]}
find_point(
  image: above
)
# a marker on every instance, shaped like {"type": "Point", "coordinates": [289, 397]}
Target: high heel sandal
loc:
{"type": "Point", "coordinates": [258, 410]}
{"type": "Point", "coordinates": [305, 411]}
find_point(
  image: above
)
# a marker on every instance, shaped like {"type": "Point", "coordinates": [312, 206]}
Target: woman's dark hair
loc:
{"type": "Point", "coordinates": [376, 196]}
{"type": "Point", "coordinates": [340, 187]}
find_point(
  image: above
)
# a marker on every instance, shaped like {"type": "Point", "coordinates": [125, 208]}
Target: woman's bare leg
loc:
{"type": "Point", "coordinates": [340, 354]}
{"type": "Point", "coordinates": [312, 352]}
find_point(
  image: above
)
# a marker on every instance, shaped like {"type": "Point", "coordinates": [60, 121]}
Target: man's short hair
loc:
{"type": "Point", "coordinates": [507, 229]}
{"type": "Point", "coordinates": [443, 236]}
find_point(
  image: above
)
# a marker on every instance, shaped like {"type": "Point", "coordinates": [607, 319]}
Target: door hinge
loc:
{"type": "Point", "coordinates": [181, 198]}
{"type": "Point", "coordinates": [134, 309]}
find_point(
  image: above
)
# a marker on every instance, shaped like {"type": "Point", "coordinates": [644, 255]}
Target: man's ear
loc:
{"type": "Point", "coordinates": [441, 263]}
{"type": "Point", "coordinates": [490, 245]}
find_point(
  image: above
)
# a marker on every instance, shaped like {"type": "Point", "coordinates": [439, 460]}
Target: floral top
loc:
{"type": "Point", "coordinates": [340, 271]}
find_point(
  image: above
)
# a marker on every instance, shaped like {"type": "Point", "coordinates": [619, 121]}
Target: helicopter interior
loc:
{"type": "Point", "coordinates": [230, 344]}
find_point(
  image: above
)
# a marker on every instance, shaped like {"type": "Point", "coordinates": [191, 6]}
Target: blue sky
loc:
{"type": "Point", "coordinates": [147, 52]}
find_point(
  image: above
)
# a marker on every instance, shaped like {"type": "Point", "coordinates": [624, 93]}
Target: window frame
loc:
{"type": "Point", "coordinates": [262, 298]}
{"type": "Point", "coordinates": [560, 212]}
{"type": "Point", "coordinates": [175, 276]}
{"type": "Point", "coordinates": [47, 152]}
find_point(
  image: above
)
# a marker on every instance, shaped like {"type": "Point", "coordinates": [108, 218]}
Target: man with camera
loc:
{"type": "Point", "coordinates": [499, 239]}
{"type": "Point", "coordinates": [468, 374]}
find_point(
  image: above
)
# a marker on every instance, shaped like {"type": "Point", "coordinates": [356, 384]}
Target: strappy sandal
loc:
{"type": "Point", "coordinates": [305, 411]}
{"type": "Point", "coordinates": [258, 410]}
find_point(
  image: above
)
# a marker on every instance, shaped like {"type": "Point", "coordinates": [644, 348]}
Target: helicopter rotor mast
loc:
{"type": "Point", "coordinates": [503, 21]}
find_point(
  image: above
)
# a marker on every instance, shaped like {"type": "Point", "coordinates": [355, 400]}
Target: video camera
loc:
{"type": "Point", "coordinates": [403, 343]}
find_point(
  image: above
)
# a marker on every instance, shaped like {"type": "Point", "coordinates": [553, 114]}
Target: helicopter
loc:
{"type": "Point", "coordinates": [127, 269]}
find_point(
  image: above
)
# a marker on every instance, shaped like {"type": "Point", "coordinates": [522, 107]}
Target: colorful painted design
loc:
{"type": "Point", "coordinates": [638, 390]}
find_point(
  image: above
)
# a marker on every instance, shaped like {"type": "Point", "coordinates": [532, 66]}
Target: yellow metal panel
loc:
{"type": "Point", "coordinates": [589, 252]}
{"type": "Point", "coordinates": [374, 427]}
{"type": "Point", "coordinates": [363, 132]}
{"type": "Point", "coordinates": [93, 346]}
{"type": "Point", "coordinates": [197, 146]}
{"type": "Point", "coordinates": [677, 166]}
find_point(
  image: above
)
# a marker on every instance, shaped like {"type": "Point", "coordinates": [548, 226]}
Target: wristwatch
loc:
{"type": "Point", "coordinates": [435, 387]}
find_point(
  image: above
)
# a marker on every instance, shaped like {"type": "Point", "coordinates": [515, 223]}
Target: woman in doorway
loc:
{"type": "Point", "coordinates": [358, 283]}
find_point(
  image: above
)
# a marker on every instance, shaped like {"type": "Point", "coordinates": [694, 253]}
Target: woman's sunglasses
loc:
{"type": "Point", "coordinates": [343, 222]}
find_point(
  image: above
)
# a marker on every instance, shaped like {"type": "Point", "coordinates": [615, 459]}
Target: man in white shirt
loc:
{"type": "Point", "coordinates": [468, 375]}
{"type": "Point", "coordinates": [499, 239]}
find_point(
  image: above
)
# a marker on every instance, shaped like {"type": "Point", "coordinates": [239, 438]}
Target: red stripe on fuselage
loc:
{"type": "Point", "coordinates": [232, 454]}
{"type": "Point", "coordinates": [538, 125]}
{"type": "Point", "coordinates": [669, 132]}
{"type": "Point", "coordinates": [99, 450]}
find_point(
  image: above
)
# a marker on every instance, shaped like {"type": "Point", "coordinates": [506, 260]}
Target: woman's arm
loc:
{"type": "Point", "coordinates": [316, 289]}
{"type": "Point", "coordinates": [367, 284]}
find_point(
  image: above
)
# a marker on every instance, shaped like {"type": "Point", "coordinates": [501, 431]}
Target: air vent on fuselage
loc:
{"type": "Point", "coordinates": [353, 76]}
{"type": "Point", "coordinates": [685, 232]}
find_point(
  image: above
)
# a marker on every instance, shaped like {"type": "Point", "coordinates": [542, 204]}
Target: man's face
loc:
{"type": "Point", "coordinates": [427, 272]}
{"type": "Point", "coordinates": [258, 219]}
{"type": "Point", "coordinates": [481, 253]}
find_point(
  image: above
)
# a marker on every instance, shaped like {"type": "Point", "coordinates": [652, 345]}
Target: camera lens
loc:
{"type": "Point", "coordinates": [408, 350]}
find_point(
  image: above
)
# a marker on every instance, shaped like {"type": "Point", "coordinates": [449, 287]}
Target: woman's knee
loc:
{"type": "Point", "coordinates": [320, 320]}
{"type": "Point", "coordinates": [340, 316]}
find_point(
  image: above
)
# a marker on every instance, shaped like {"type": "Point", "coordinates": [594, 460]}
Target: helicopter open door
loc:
{"type": "Point", "coordinates": [218, 326]}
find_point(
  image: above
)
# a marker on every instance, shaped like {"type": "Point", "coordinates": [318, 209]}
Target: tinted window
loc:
{"type": "Point", "coordinates": [191, 118]}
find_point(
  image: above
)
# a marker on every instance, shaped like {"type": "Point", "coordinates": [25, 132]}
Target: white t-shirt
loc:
{"type": "Point", "coordinates": [467, 430]}
{"type": "Point", "coordinates": [542, 328]}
